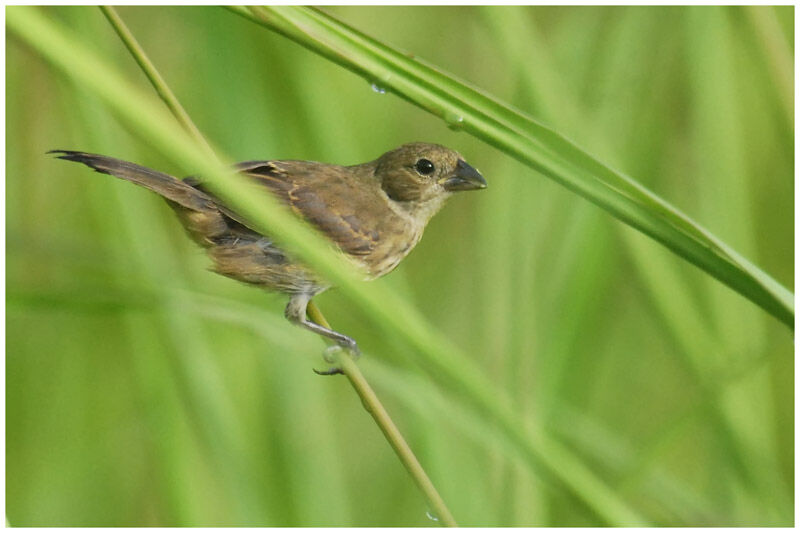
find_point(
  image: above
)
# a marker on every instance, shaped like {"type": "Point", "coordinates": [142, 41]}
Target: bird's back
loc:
{"type": "Point", "coordinates": [347, 204]}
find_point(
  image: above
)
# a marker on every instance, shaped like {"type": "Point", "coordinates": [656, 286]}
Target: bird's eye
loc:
{"type": "Point", "coordinates": [424, 167]}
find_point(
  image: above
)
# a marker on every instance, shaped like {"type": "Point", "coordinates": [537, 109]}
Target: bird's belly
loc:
{"type": "Point", "coordinates": [259, 262]}
{"type": "Point", "coordinates": [254, 259]}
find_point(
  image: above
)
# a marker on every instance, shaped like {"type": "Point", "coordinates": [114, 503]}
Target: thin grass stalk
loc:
{"type": "Point", "coordinates": [375, 408]}
{"type": "Point", "coordinates": [778, 55]}
{"type": "Point", "coordinates": [156, 80]}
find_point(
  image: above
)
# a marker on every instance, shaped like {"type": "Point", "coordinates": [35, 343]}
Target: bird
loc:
{"type": "Point", "coordinates": [374, 212]}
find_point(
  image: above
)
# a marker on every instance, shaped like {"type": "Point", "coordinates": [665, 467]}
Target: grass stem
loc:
{"type": "Point", "coordinates": [375, 408]}
{"type": "Point", "coordinates": [155, 78]}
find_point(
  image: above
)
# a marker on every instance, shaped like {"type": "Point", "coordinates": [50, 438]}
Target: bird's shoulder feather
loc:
{"type": "Point", "coordinates": [339, 203]}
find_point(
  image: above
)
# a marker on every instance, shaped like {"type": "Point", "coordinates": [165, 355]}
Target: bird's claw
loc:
{"type": "Point", "coordinates": [330, 353]}
{"type": "Point", "coordinates": [349, 346]}
{"type": "Point", "coordinates": [332, 371]}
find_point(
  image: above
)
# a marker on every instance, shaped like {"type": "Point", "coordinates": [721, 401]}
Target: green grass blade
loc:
{"type": "Point", "coordinates": [539, 147]}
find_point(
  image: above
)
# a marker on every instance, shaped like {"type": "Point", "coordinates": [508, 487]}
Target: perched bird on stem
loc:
{"type": "Point", "coordinates": [374, 212]}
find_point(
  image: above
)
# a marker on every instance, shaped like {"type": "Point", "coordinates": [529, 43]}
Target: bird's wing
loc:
{"type": "Point", "coordinates": [320, 194]}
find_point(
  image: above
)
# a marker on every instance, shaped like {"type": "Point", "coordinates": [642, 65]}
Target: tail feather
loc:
{"type": "Point", "coordinates": [167, 186]}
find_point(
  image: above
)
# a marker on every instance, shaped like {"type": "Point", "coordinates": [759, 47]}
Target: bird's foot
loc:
{"type": "Point", "coordinates": [349, 345]}
{"type": "Point", "coordinates": [332, 352]}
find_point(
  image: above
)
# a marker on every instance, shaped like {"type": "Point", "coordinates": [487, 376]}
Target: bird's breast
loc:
{"type": "Point", "coordinates": [393, 246]}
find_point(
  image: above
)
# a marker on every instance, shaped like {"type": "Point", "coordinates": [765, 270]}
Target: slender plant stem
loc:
{"type": "Point", "coordinates": [375, 408]}
{"type": "Point", "coordinates": [778, 56]}
{"type": "Point", "coordinates": [368, 397]}
{"type": "Point", "coordinates": [155, 78]}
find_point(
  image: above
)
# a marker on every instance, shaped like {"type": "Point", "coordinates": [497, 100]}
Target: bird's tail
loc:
{"type": "Point", "coordinates": [167, 186]}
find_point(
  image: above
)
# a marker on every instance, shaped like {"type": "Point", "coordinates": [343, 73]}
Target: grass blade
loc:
{"type": "Point", "coordinates": [523, 138]}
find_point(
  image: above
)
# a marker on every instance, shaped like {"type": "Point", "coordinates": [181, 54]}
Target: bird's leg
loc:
{"type": "Point", "coordinates": [296, 313]}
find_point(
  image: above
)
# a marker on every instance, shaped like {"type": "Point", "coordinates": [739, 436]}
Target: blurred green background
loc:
{"type": "Point", "coordinates": [142, 389]}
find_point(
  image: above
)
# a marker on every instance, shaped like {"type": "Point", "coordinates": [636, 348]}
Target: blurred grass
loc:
{"type": "Point", "coordinates": [142, 390]}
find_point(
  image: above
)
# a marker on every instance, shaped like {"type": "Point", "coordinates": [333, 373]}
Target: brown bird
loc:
{"type": "Point", "coordinates": [374, 212]}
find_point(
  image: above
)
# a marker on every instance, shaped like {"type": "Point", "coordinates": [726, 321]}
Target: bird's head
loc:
{"type": "Point", "coordinates": [419, 177]}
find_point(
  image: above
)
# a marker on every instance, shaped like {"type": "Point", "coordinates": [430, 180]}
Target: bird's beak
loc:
{"type": "Point", "coordinates": [465, 178]}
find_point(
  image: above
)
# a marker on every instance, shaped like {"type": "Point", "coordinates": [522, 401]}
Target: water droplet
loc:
{"type": "Point", "coordinates": [378, 89]}
{"type": "Point", "coordinates": [454, 121]}
{"type": "Point", "coordinates": [431, 516]}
